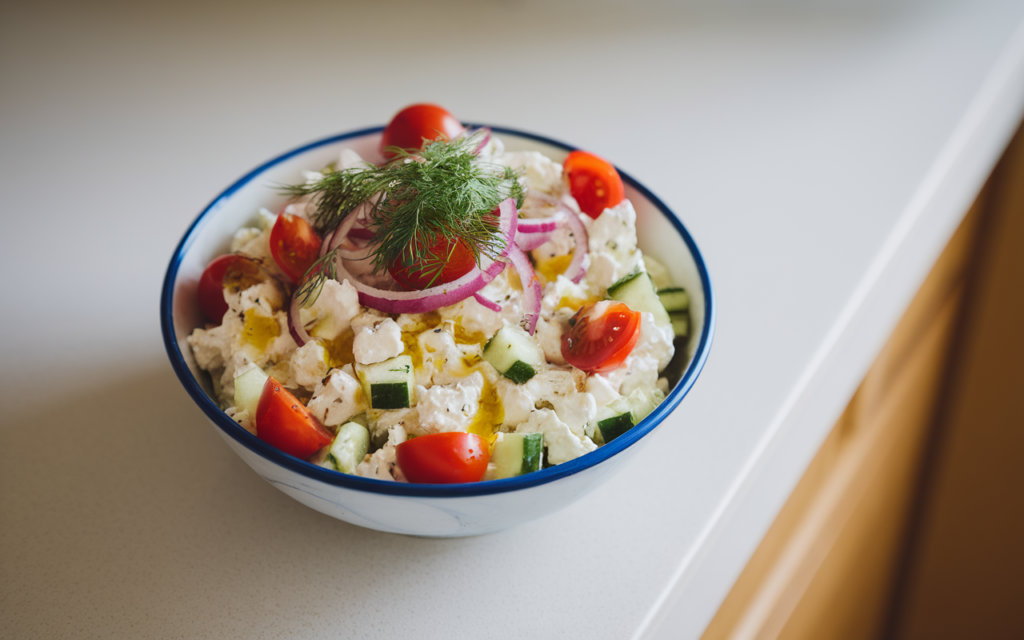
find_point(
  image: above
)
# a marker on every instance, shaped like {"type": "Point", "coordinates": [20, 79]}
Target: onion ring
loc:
{"type": "Point", "coordinates": [532, 292]}
{"type": "Point", "coordinates": [493, 306]}
{"type": "Point", "coordinates": [483, 143]}
{"type": "Point", "coordinates": [443, 295]}
{"type": "Point", "coordinates": [530, 241]}
{"type": "Point", "coordinates": [529, 236]}
{"type": "Point", "coordinates": [298, 332]}
{"type": "Point", "coordinates": [341, 238]}
{"type": "Point", "coordinates": [578, 266]}
{"type": "Point", "coordinates": [538, 225]}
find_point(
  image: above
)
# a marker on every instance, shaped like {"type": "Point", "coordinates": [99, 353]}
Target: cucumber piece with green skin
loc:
{"type": "Point", "coordinates": [349, 447]}
{"type": "Point", "coordinates": [388, 384]}
{"type": "Point", "coordinates": [657, 271]}
{"type": "Point", "coordinates": [248, 389]}
{"type": "Point", "coordinates": [516, 454]}
{"type": "Point", "coordinates": [514, 354]}
{"type": "Point", "coordinates": [637, 292]}
{"type": "Point", "coordinates": [674, 299]}
{"type": "Point", "coordinates": [615, 426]}
{"type": "Point", "coordinates": [622, 414]}
{"type": "Point", "coordinates": [680, 324]}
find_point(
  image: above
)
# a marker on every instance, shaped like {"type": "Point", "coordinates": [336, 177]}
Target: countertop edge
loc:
{"type": "Point", "coordinates": [706, 573]}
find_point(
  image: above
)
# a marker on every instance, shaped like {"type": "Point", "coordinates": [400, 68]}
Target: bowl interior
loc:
{"type": "Point", "coordinates": [659, 231]}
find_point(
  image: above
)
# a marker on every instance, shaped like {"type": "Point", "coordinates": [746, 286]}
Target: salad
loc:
{"type": "Point", "coordinates": [454, 313]}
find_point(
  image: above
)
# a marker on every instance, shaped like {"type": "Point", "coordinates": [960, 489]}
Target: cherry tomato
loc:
{"type": "Point", "coordinates": [228, 271]}
{"type": "Point", "coordinates": [600, 336]}
{"type": "Point", "coordinates": [294, 245]}
{"type": "Point", "coordinates": [443, 458]}
{"type": "Point", "coordinates": [283, 422]}
{"type": "Point", "coordinates": [594, 182]}
{"type": "Point", "coordinates": [449, 260]}
{"type": "Point", "coordinates": [417, 122]}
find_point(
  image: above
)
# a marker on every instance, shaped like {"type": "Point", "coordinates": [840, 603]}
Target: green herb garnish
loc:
{"type": "Point", "coordinates": [312, 281]}
{"type": "Point", "coordinates": [421, 204]}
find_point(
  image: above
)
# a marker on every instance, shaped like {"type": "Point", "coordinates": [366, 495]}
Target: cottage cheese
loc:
{"type": "Point", "coordinates": [449, 407]}
{"type": "Point", "coordinates": [338, 398]}
{"type": "Point", "coordinates": [376, 342]}
{"type": "Point", "coordinates": [456, 390]}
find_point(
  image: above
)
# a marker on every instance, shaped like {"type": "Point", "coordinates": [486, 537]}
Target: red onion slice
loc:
{"type": "Point", "coordinates": [577, 267]}
{"type": "Point", "coordinates": [298, 332]}
{"type": "Point", "coordinates": [341, 239]}
{"type": "Point", "coordinates": [430, 299]}
{"type": "Point", "coordinates": [493, 306]}
{"type": "Point", "coordinates": [362, 233]}
{"type": "Point", "coordinates": [530, 241]}
{"type": "Point", "coordinates": [469, 133]}
{"type": "Point", "coordinates": [532, 292]}
{"type": "Point", "coordinates": [483, 143]}
{"type": "Point", "coordinates": [433, 298]}
{"type": "Point", "coordinates": [325, 246]}
{"type": "Point", "coordinates": [538, 225]}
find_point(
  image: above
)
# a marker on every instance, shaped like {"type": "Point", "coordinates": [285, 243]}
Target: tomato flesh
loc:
{"type": "Point", "coordinates": [448, 259]}
{"type": "Point", "coordinates": [294, 244]}
{"type": "Point", "coordinates": [228, 271]}
{"type": "Point", "coordinates": [601, 336]}
{"type": "Point", "coordinates": [443, 458]}
{"type": "Point", "coordinates": [282, 422]}
{"type": "Point", "coordinates": [594, 182]}
{"type": "Point", "coordinates": [410, 126]}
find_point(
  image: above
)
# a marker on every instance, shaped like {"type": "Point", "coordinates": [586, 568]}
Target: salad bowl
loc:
{"type": "Point", "coordinates": [436, 510]}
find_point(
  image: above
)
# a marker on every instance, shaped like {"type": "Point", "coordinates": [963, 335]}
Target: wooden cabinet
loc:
{"type": "Point", "coordinates": [857, 550]}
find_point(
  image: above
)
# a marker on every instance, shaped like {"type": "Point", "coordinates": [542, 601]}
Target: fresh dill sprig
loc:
{"type": "Point", "coordinates": [422, 204]}
{"type": "Point", "coordinates": [336, 194]}
{"type": "Point", "coordinates": [313, 280]}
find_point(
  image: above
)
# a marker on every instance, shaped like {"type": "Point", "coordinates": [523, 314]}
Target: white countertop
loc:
{"type": "Point", "coordinates": [820, 153]}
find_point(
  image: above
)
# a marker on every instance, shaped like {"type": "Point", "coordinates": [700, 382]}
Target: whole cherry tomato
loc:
{"type": "Point", "coordinates": [443, 458]}
{"type": "Point", "coordinates": [417, 122]}
{"type": "Point", "coordinates": [447, 260]}
{"type": "Point", "coordinates": [294, 244]}
{"type": "Point", "coordinates": [231, 271]}
{"type": "Point", "coordinates": [283, 422]}
{"type": "Point", "coordinates": [594, 182]}
{"type": "Point", "coordinates": [600, 337]}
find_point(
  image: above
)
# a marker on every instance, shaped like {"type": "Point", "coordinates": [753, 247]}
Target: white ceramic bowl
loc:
{"type": "Point", "coordinates": [417, 509]}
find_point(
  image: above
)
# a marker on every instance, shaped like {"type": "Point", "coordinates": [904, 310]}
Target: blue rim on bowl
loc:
{"type": "Point", "coordinates": [544, 476]}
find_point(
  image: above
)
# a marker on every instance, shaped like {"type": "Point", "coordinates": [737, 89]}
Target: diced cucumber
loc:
{"type": "Point", "coordinates": [622, 414]}
{"type": "Point", "coordinates": [637, 292]}
{"type": "Point", "coordinates": [680, 324]}
{"type": "Point", "coordinates": [644, 401]}
{"type": "Point", "coordinates": [657, 271]}
{"type": "Point", "coordinates": [516, 454]}
{"type": "Point", "coordinates": [615, 426]}
{"type": "Point", "coordinates": [248, 389]}
{"type": "Point", "coordinates": [514, 354]}
{"type": "Point", "coordinates": [349, 447]}
{"type": "Point", "coordinates": [388, 384]}
{"type": "Point", "coordinates": [674, 299]}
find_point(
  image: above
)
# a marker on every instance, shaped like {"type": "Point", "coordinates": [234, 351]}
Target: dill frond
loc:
{"type": "Point", "coordinates": [422, 204]}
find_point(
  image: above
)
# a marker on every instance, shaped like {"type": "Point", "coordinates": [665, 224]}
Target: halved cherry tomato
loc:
{"type": "Point", "coordinates": [449, 260]}
{"type": "Point", "coordinates": [594, 182]}
{"type": "Point", "coordinates": [283, 422]}
{"type": "Point", "coordinates": [417, 122]}
{"type": "Point", "coordinates": [601, 336]}
{"type": "Point", "coordinates": [443, 458]}
{"type": "Point", "coordinates": [294, 245]}
{"type": "Point", "coordinates": [228, 271]}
